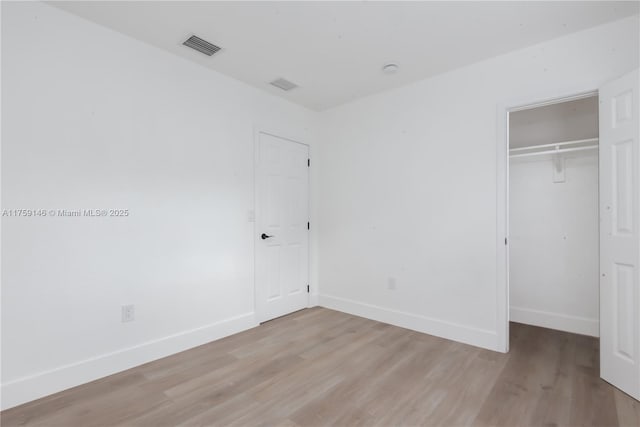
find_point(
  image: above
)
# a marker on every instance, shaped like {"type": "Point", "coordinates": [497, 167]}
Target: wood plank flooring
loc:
{"type": "Point", "coordinates": [321, 367]}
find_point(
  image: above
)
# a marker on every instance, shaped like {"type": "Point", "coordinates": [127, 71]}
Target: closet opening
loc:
{"type": "Point", "coordinates": [553, 216]}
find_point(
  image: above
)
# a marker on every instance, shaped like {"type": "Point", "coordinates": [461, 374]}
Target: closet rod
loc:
{"type": "Point", "coordinates": [563, 143]}
{"type": "Point", "coordinates": [559, 151]}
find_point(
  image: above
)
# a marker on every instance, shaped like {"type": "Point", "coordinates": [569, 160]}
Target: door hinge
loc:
{"type": "Point", "coordinates": [505, 240]}
{"type": "Point", "coordinates": [307, 288]}
{"type": "Point", "coordinates": [308, 226]}
{"type": "Point", "coordinates": [308, 162]}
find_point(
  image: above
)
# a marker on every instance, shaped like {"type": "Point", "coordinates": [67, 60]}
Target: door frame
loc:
{"type": "Point", "coordinates": [257, 130]}
{"type": "Point", "coordinates": [502, 199]}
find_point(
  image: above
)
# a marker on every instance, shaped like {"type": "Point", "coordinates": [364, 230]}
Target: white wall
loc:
{"type": "Point", "coordinates": [408, 184]}
{"type": "Point", "coordinates": [554, 250]}
{"type": "Point", "coordinates": [93, 119]}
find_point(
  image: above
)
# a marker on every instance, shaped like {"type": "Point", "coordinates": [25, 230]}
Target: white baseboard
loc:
{"type": "Point", "coordinates": [33, 387]}
{"type": "Point", "coordinates": [561, 322]}
{"type": "Point", "coordinates": [462, 333]}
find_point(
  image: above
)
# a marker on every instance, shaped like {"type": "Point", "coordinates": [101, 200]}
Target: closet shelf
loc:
{"type": "Point", "coordinates": [557, 148]}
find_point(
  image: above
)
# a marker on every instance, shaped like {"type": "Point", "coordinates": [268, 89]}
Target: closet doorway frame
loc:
{"type": "Point", "coordinates": [502, 175]}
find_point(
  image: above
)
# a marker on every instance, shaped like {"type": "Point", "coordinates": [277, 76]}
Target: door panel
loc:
{"type": "Point", "coordinates": [622, 205]}
{"type": "Point", "coordinates": [282, 200]}
{"type": "Point", "coordinates": [619, 234]}
{"type": "Point", "coordinates": [623, 289]}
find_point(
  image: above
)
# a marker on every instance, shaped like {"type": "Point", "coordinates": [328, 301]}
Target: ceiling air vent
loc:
{"type": "Point", "coordinates": [283, 84]}
{"type": "Point", "coordinates": [203, 46]}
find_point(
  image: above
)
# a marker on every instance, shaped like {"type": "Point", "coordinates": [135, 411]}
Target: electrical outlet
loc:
{"type": "Point", "coordinates": [128, 313]}
{"type": "Point", "coordinates": [391, 283]}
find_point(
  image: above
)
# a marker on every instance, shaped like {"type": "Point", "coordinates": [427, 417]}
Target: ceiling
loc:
{"type": "Point", "coordinates": [564, 121]}
{"type": "Point", "coordinates": [335, 50]}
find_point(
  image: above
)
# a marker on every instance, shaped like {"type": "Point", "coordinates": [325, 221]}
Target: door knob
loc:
{"type": "Point", "coordinates": [264, 236]}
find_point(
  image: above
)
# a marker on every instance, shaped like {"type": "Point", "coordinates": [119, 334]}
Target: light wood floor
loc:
{"type": "Point", "coordinates": [322, 367]}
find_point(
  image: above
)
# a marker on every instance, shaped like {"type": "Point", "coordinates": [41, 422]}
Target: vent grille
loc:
{"type": "Point", "coordinates": [203, 46]}
{"type": "Point", "coordinates": [283, 84]}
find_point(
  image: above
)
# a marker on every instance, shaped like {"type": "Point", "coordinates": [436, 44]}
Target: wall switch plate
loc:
{"type": "Point", "coordinates": [391, 283]}
{"type": "Point", "coordinates": [128, 313]}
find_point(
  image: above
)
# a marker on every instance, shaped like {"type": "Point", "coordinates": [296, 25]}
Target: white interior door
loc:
{"type": "Point", "coordinates": [282, 236]}
{"type": "Point", "coordinates": [620, 235]}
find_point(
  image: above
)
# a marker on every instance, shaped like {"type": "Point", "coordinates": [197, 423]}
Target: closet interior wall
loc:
{"type": "Point", "coordinates": [553, 216]}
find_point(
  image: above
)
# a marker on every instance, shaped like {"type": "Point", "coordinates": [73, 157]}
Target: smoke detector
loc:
{"type": "Point", "coordinates": [283, 84]}
{"type": "Point", "coordinates": [201, 45]}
